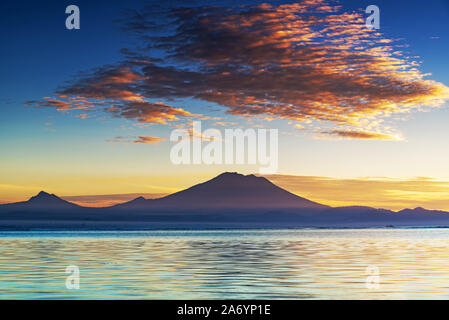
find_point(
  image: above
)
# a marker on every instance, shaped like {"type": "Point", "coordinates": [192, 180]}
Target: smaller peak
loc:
{"type": "Point", "coordinates": [138, 200]}
{"type": "Point", "coordinates": [410, 210]}
{"type": "Point", "coordinates": [259, 179]}
{"type": "Point", "coordinates": [44, 196]}
{"type": "Point", "coordinates": [253, 176]}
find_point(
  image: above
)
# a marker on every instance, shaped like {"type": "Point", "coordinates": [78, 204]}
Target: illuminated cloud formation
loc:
{"type": "Point", "coordinates": [308, 61]}
{"type": "Point", "coordinates": [364, 135]}
{"type": "Point", "coordinates": [108, 82]}
{"type": "Point", "coordinates": [156, 112]}
{"type": "Point", "coordinates": [62, 103]}
{"type": "Point", "coordinates": [149, 140]}
{"type": "Point", "coordinates": [115, 86]}
{"type": "Point", "coordinates": [138, 140]}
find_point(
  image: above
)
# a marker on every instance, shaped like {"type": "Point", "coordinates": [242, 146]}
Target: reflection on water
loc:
{"type": "Point", "coordinates": [232, 264]}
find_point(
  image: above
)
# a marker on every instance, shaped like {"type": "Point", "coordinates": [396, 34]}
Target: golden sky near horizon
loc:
{"type": "Point", "coordinates": [380, 192]}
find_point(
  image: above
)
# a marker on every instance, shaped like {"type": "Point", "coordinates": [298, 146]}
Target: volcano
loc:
{"type": "Point", "coordinates": [228, 190]}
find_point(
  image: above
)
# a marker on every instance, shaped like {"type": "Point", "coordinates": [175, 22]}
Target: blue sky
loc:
{"type": "Point", "coordinates": [47, 147]}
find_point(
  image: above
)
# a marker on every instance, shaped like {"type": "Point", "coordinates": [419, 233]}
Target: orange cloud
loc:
{"type": "Point", "coordinates": [151, 112]}
{"type": "Point", "coordinates": [289, 62]}
{"type": "Point", "coordinates": [62, 103]}
{"type": "Point", "coordinates": [225, 123]}
{"type": "Point", "coordinates": [108, 82]}
{"type": "Point", "coordinates": [137, 140]}
{"type": "Point", "coordinates": [149, 140]}
{"type": "Point", "coordinates": [365, 135]}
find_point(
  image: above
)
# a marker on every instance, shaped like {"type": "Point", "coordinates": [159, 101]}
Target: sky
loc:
{"type": "Point", "coordinates": [362, 114]}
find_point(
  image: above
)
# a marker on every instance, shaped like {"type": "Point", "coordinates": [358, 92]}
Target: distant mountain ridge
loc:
{"type": "Point", "coordinates": [230, 199]}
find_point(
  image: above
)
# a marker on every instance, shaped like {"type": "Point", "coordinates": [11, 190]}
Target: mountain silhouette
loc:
{"type": "Point", "coordinates": [229, 190]}
{"type": "Point", "coordinates": [229, 200]}
{"type": "Point", "coordinates": [42, 200]}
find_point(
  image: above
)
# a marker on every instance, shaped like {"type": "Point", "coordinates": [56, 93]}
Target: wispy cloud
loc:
{"type": "Point", "coordinates": [149, 140]}
{"type": "Point", "coordinates": [148, 112]}
{"type": "Point", "coordinates": [137, 140]}
{"type": "Point", "coordinates": [365, 135]}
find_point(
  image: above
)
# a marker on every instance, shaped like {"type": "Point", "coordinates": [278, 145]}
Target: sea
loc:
{"type": "Point", "coordinates": [389, 263]}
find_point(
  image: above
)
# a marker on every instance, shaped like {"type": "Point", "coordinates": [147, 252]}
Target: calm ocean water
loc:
{"type": "Point", "coordinates": [230, 264]}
